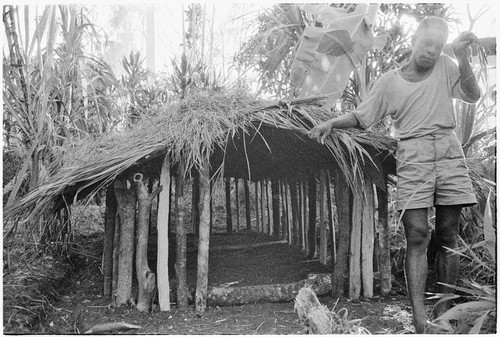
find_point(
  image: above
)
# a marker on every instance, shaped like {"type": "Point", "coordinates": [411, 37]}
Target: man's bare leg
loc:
{"type": "Point", "coordinates": [417, 239]}
{"type": "Point", "coordinates": [447, 263]}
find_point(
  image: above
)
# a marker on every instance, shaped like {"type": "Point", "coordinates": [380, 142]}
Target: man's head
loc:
{"type": "Point", "coordinates": [428, 41]}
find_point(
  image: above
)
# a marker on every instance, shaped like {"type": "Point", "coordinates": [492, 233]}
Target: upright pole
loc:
{"type": "Point", "coordinates": [204, 241]}
{"type": "Point", "coordinates": [163, 243]}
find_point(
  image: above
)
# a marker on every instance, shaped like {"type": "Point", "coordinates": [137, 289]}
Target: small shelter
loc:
{"type": "Point", "coordinates": [212, 137]}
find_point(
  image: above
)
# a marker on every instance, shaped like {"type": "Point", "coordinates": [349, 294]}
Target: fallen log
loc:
{"type": "Point", "coordinates": [321, 284]}
{"type": "Point", "coordinates": [110, 327]}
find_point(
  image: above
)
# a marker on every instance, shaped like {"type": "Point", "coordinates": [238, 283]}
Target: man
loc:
{"type": "Point", "coordinates": [430, 162]}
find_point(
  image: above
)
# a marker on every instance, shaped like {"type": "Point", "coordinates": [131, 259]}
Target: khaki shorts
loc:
{"type": "Point", "coordinates": [432, 171]}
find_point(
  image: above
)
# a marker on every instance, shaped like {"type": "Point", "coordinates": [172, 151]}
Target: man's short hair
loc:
{"type": "Point", "coordinates": [432, 22]}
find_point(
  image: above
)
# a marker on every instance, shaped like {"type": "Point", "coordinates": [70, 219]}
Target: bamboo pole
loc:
{"type": "Point", "coordinates": [109, 233]}
{"type": "Point", "coordinates": [229, 218]}
{"type": "Point", "coordinates": [180, 235]}
{"type": "Point", "coordinates": [204, 240]}
{"type": "Point", "coordinates": [163, 243]}
{"type": "Point", "coordinates": [323, 238]}
{"type": "Point", "coordinates": [355, 249]}
{"type": "Point", "coordinates": [384, 252]}
{"type": "Point", "coordinates": [343, 197]}
{"type": "Point", "coordinates": [367, 241]}
{"type": "Point", "coordinates": [237, 192]}
{"type": "Point", "coordinates": [257, 215]}
{"type": "Point", "coordinates": [247, 205]}
{"type": "Point", "coordinates": [305, 232]}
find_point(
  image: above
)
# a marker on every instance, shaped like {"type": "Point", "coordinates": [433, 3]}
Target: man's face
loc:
{"type": "Point", "coordinates": [427, 46]}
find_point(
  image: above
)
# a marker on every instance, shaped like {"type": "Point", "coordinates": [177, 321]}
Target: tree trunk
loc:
{"type": "Point", "coordinates": [323, 236]}
{"type": "Point", "coordinates": [203, 243]}
{"type": "Point", "coordinates": [229, 217]}
{"type": "Point", "coordinates": [383, 235]}
{"type": "Point", "coordinates": [126, 200]}
{"type": "Point", "coordinates": [257, 215]}
{"type": "Point", "coordinates": [367, 241]}
{"type": "Point", "coordinates": [311, 232]}
{"type": "Point", "coordinates": [247, 204]}
{"type": "Point", "coordinates": [237, 196]}
{"type": "Point", "coordinates": [343, 197]}
{"type": "Point", "coordinates": [145, 277]}
{"type": "Point", "coordinates": [163, 219]}
{"type": "Point", "coordinates": [355, 255]}
{"type": "Point", "coordinates": [319, 283]}
{"type": "Point", "coordinates": [275, 191]}
{"type": "Point", "coordinates": [109, 233]}
{"type": "Point", "coordinates": [180, 235]}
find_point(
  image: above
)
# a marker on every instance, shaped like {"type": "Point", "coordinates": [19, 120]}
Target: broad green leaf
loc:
{"type": "Point", "coordinates": [327, 55]}
{"type": "Point", "coordinates": [469, 310]}
{"type": "Point", "coordinates": [478, 323]}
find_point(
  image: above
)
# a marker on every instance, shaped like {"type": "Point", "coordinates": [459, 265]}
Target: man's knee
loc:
{"type": "Point", "coordinates": [418, 237]}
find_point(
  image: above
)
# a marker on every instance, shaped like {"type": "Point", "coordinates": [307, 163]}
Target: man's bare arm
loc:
{"type": "Point", "coordinates": [322, 131]}
{"type": "Point", "coordinates": [468, 81]}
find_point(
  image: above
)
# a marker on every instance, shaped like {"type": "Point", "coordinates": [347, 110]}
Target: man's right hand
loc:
{"type": "Point", "coordinates": [320, 132]}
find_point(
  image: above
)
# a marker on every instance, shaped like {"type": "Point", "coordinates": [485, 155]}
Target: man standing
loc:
{"type": "Point", "coordinates": [431, 166]}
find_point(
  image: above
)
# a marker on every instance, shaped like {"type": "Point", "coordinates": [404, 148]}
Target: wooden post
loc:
{"type": "Point", "coordinates": [237, 192]}
{"type": "Point", "coordinates": [269, 199]}
{"type": "Point", "coordinates": [195, 200]}
{"type": "Point", "coordinates": [247, 204]}
{"type": "Point", "coordinates": [383, 235]}
{"type": "Point", "coordinates": [163, 243]}
{"type": "Point", "coordinates": [204, 240]}
{"type": "Point", "coordinates": [322, 218]}
{"type": "Point", "coordinates": [288, 206]}
{"type": "Point", "coordinates": [116, 248]}
{"type": "Point", "coordinates": [329, 203]}
{"type": "Point", "coordinates": [295, 211]}
{"type": "Point", "coordinates": [355, 249]}
{"type": "Point", "coordinates": [126, 200]}
{"type": "Point", "coordinates": [109, 233]}
{"type": "Point", "coordinates": [343, 197]}
{"type": "Point", "coordinates": [311, 232]}
{"type": "Point", "coordinates": [367, 241]}
{"type": "Point", "coordinates": [275, 191]}
{"type": "Point", "coordinates": [303, 207]}
{"type": "Point", "coordinates": [180, 236]}
{"type": "Point", "coordinates": [146, 279]}
{"type": "Point", "coordinates": [262, 208]}
{"type": "Point", "coordinates": [257, 215]}
{"type": "Point", "coordinates": [229, 218]}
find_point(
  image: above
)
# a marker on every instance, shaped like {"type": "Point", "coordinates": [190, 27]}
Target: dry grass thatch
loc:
{"type": "Point", "coordinates": [188, 131]}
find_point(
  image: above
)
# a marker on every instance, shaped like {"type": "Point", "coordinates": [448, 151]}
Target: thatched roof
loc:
{"type": "Point", "coordinates": [240, 137]}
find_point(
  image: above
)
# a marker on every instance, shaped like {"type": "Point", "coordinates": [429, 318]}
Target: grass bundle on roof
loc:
{"type": "Point", "coordinates": [187, 131]}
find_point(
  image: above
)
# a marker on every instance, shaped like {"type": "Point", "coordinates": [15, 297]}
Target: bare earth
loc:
{"type": "Point", "coordinates": [72, 300]}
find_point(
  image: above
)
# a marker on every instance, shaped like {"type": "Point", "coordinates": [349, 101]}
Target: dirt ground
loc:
{"type": "Point", "coordinates": [67, 297]}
